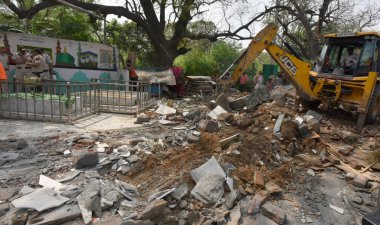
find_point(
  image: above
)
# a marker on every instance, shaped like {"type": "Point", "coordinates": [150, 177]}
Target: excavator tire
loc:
{"type": "Point", "coordinates": [374, 106]}
{"type": "Point", "coordinates": [310, 104]}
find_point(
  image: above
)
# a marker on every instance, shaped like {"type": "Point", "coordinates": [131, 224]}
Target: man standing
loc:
{"type": "Point", "coordinates": [258, 81]}
{"type": "Point", "coordinates": [243, 82]}
{"type": "Point", "coordinates": [48, 64]}
{"type": "Point", "coordinates": [4, 61]}
{"type": "Point", "coordinates": [39, 66]}
{"type": "Point", "coordinates": [23, 68]}
{"type": "Point", "coordinates": [132, 75]}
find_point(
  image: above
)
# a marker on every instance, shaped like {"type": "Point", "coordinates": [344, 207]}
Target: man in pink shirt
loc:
{"type": "Point", "coordinates": [244, 82]}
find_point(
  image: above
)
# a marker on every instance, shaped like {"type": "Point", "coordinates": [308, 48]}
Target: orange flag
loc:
{"type": "Point", "coordinates": [3, 75]}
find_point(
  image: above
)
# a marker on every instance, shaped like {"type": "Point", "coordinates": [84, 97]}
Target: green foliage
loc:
{"type": "Point", "coordinates": [197, 63]}
{"type": "Point", "coordinates": [224, 53]}
{"type": "Point", "coordinates": [131, 38]}
{"type": "Point", "coordinates": [200, 61]}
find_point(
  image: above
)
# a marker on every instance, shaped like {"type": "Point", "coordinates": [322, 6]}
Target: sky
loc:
{"type": "Point", "coordinates": [238, 13]}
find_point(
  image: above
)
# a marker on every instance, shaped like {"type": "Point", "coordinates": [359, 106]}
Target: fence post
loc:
{"type": "Point", "coordinates": [68, 101]}
{"type": "Point", "coordinates": [99, 99]}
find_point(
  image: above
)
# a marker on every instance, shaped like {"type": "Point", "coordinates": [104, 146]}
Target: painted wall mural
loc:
{"type": "Point", "coordinates": [71, 58]}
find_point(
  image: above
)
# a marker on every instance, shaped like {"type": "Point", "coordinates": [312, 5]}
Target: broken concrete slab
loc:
{"type": "Point", "coordinates": [50, 183]}
{"type": "Point", "coordinates": [218, 113]}
{"type": "Point", "coordinates": [34, 200]}
{"type": "Point", "coordinates": [238, 104]}
{"type": "Point", "coordinates": [26, 190]}
{"type": "Point", "coordinates": [160, 195]}
{"type": "Point", "coordinates": [129, 189]}
{"type": "Point", "coordinates": [211, 126]}
{"type": "Point", "coordinates": [69, 175]}
{"type": "Point", "coordinates": [274, 213]}
{"type": "Point", "coordinates": [209, 189]}
{"type": "Point", "coordinates": [235, 215]}
{"type": "Point", "coordinates": [231, 198]}
{"type": "Point", "coordinates": [142, 118]}
{"type": "Point", "coordinates": [256, 98]}
{"type": "Point", "coordinates": [86, 142]}
{"type": "Point", "coordinates": [165, 110]}
{"type": "Point", "coordinates": [180, 192]}
{"type": "Point", "coordinates": [210, 166]}
{"type": "Point", "coordinates": [87, 159]}
{"type": "Point", "coordinates": [360, 181]}
{"type": "Point", "coordinates": [154, 209]}
{"type": "Point", "coordinates": [89, 201]}
{"type": "Point", "coordinates": [337, 209]}
{"type": "Point", "coordinates": [7, 193]}
{"type": "Point", "coordinates": [257, 201]}
{"type": "Point", "coordinates": [314, 114]}
{"type": "Point", "coordinates": [61, 215]}
{"type": "Point", "coordinates": [273, 188]}
{"type": "Point", "coordinates": [222, 101]}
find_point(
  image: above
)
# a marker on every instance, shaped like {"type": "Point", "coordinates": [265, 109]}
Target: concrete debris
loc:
{"type": "Point", "coordinates": [223, 102]}
{"type": "Point", "coordinates": [180, 192]}
{"type": "Point", "coordinates": [34, 200]}
{"type": "Point", "coordinates": [89, 201]}
{"type": "Point", "coordinates": [129, 189]}
{"type": "Point", "coordinates": [231, 198]}
{"type": "Point", "coordinates": [165, 110]}
{"type": "Point", "coordinates": [337, 209]}
{"type": "Point", "coordinates": [273, 188]}
{"type": "Point", "coordinates": [277, 126]}
{"type": "Point", "coordinates": [153, 210]}
{"type": "Point", "coordinates": [86, 142]}
{"type": "Point", "coordinates": [87, 159]}
{"type": "Point", "coordinates": [347, 136]}
{"type": "Point", "coordinates": [257, 201]}
{"type": "Point", "coordinates": [211, 166]}
{"type": "Point", "coordinates": [67, 152]}
{"type": "Point", "coordinates": [314, 115]}
{"type": "Point", "coordinates": [218, 113]}
{"type": "Point", "coordinates": [50, 183]}
{"type": "Point", "coordinates": [311, 172]}
{"type": "Point", "coordinates": [24, 190]}
{"type": "Point", "coordinates": [209, 189]}
{"type": "Point", "coordinates": [69, 175]}
{"type": "Point", "coordinates": [258, 178]}
{"type": "Point", "coordinates": [142, 118]}
{"type": "Point", "coordinates": [193, 138]}
{"type": "Point", "coordinates": [225, 142]}
{"type": "Point", "coordinates": [235, 215]}
{"type": "Point", "coordinates": [193, 114]}
{"type": "Point", "coordinates": [7, 193]}
{"type": "Point", "coordinates": [256, 98]}
{"type": "Point", "coordinates": [211, 126]}
{"type": "Point", "coordinates": [274, 213]}
{"type": "Point", "coordinates": [160, 195]}
{"type": "Point", "coordinates": [238, 104]}
{"type": "Point", "coordinates": [360, 181]}
{"type": "Point", "coordinates": [59, 216]}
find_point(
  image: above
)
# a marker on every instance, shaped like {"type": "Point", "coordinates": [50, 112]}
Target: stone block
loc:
{"type": "Point", "coordinates": [360, 181]}
{"type": "Point", "coordinates": [274, 213]}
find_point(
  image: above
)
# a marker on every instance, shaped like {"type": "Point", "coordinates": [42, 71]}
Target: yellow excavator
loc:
{"type": "Point", "coordinates": [347, 71]}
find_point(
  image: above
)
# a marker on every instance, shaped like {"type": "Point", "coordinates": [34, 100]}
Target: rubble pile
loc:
{"type": "Point", "coordinates": [199, 85]}
{"type": "Point", "coordinates": [237, 160]}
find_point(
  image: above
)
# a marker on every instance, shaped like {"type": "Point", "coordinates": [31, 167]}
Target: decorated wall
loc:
{"type": "Point", "coordinates": [72, 60]}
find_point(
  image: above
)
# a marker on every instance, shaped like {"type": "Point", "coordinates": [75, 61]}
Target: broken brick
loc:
{"type": "Point", "coordinates": [258, 178]}
{"type": "Point", "coordinates": [257, 201]}
{"type": "Point", "coordinates": [274, 213]}
{"type": "Point", "coordinates": [273, 188]}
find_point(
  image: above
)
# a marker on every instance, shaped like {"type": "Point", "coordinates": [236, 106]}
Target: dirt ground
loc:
{"type": "Point", "coordinates": [285, 162]}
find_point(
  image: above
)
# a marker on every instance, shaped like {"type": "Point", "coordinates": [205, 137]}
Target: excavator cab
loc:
{"type": "Point", "coordinates": [352, 56]}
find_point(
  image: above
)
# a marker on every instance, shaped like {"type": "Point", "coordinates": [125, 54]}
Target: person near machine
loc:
{"type": "Point", "coordinates": [258, 81]}
{"type": "Point", "coordinates": [48, 63]}
{"type": "Point", "coordinates": [23, 68]}
{"type": "Point", "coordinates": [132, 75]}
{"type": "Point", "coordinates": [244, 82]}
{"type": "Point", "coordinates": [349, 61]}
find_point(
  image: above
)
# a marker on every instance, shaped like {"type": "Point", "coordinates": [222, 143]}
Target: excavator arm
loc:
{"type": "Point", "coordinates": [296, 69]}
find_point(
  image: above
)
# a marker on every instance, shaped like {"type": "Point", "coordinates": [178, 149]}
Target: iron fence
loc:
{"type": "Point", "coordinates": [62, 101]}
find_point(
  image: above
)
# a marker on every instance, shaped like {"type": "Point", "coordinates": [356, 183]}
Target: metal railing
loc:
{"type": "Point", "coordinates": [62, 101]}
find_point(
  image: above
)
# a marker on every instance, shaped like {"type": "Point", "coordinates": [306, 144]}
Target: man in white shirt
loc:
{"type": "Point", "coordinates": [39, 66]}
{"type": "Point", "coordinates": [349, 61]}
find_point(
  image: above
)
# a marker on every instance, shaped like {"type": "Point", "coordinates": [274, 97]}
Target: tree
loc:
{"type": "Point", "coordinates": [153, 16]}
{"type": "Point", "coordinates": [59, 21]}
{"type": "Point", "coordinates": [303, 22]}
